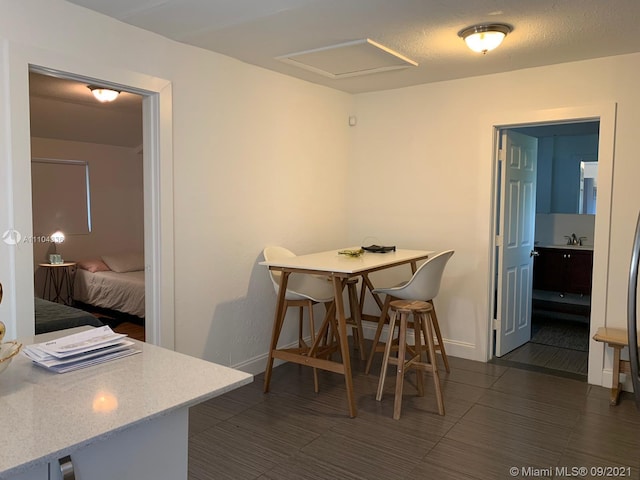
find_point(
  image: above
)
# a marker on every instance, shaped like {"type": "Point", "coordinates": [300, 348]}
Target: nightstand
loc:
{"type": "Point", "coordinates": [58, 281]}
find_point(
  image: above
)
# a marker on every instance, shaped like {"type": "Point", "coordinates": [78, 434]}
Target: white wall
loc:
{"type": "Point", "coordinates": [261, 162]}
{"type": "Point", "coordinates": [552, 228]}
{"type": "Point", "coordinates": [258, 159]}
{"type": "Point", "coordinates": [425, 175]}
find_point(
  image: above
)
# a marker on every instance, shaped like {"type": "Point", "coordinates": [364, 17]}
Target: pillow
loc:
{"type": "Point", "coordinates": [125, 262]}
{"type": "Point", "coordinates": [93, 265]}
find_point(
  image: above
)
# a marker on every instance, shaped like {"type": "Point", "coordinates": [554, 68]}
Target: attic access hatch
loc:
{"type": "Point", "coordinates": [350, 59]}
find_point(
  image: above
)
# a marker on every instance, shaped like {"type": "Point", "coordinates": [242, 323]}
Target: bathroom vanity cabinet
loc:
{"type": "Point", "coordinates": [563, 269]}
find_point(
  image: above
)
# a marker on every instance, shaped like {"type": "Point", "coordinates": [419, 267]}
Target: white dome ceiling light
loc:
{"type": "Point", "coordinates": [484, 38]}
{"type": "Point", "coordinates": [103, 94]}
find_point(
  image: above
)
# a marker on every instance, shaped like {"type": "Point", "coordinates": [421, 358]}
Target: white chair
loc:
{"type": "Point", "coordinates": [302, 291]}
{"type": "Point", "coordinates": [424, 285]}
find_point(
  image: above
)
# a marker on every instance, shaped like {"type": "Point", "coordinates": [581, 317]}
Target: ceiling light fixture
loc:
{"type": "Point", "coordinates": [103, 94]}
{"type": "Point", "coordinates": [483, 38]}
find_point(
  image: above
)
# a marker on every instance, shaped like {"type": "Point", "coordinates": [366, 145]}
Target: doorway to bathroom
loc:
{"type": "Point", "coordinates": [557, 339]}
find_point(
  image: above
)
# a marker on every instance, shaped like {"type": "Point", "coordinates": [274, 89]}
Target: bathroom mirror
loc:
{"type": "Point", "coordinates": [567, 171]}
{"type": "Point", "coordinates": [562, 148]}
{"type": "Point", "coordinates": [588, 187]}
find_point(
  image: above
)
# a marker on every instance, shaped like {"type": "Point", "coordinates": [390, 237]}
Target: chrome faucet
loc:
{"type": "Point", "coordinates": [573, 239]}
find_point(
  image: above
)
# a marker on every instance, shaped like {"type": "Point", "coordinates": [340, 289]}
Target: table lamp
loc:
{"type": "Point", "coordinates": [56, 238]}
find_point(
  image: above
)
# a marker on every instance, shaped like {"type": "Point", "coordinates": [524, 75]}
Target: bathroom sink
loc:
{"type": "Point", "coordinates": [570, 247]}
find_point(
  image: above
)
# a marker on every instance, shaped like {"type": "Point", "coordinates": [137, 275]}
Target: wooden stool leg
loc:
{"type": "Point", "coordinates": [376, 338]}
{"type": "Point", "coordinates": [281, 310]}
{"type": "Point", "coordinates": [300, 323]}
{"type": "Point", "coordinates": [312, 331]}
{"type": "Point", "coordinates": [418, 319]}
{"type": "Point", "coordinates": [428, 333]}
{"type": "Point", "coordinates": [436, 328]}
{"type": "Point", "coordinates": [385, 358]}
{"type": "Point", "coordinates": [402, 346]}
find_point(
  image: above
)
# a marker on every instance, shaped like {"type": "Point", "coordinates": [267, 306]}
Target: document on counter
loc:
{"type": "Point", "coordinates": [80, 350]}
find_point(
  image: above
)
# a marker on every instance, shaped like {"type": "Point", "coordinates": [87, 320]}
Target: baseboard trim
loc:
{"type": "Point", "coordinates": [258, 364]}
{"type": "Point", "coordinates": [607, 380]}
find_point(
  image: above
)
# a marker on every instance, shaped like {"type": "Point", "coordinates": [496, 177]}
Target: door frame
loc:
{"type": "Point", "coordinates": [605, 113]}
{"type": "Point", "coordinates": [158, 182]}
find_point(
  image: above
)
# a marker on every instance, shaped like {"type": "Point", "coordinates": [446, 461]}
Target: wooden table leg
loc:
{"type": "Point", "coordinates": [338, 286]}
{"type": "Point", "coordinates": [376, 338]}
{"type": "Point", "coordinates": [367, 285]}
{"type": "Point", "coordinates": [356, 319]}
{"type": "Point", "coordinates": [277, 327]}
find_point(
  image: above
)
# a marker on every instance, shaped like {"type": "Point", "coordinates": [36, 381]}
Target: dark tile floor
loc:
{"type": "Point", "coordinates": [497, 418]}
{"type": "Point", "coordinates": [548, 358]}
{"type": "Point", "coordinates": [561, 355]}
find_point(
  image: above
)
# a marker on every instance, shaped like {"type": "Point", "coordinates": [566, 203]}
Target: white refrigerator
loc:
{"type": "Point", "coordinates": [632, 316]}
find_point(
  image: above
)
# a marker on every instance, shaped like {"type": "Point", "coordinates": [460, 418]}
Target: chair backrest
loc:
{"type": "Point", "coordinates": [300, 286]}
{"type": "Point", "coordinates": [276, 253]}
{"type": "Point", "coordinates": [425, 283]}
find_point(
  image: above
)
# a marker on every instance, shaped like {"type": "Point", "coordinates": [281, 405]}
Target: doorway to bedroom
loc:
{"type": "Point", "coordinates": [87, 183]}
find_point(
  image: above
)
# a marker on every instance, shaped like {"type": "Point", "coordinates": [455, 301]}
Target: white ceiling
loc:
{"type": "Point", "coordinates": [257, 31]}
{"type": "Point", "coordinates": [66, 110]}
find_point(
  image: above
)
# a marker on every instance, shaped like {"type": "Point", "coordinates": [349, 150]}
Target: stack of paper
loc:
{"type": "Point", "coordinates": [80, 350]}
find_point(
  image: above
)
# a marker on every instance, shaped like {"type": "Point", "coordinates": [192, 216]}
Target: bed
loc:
{"type": "Point", "coordinates": [51, 316]}
{"type": "Point", "coordinates": [121, 291]}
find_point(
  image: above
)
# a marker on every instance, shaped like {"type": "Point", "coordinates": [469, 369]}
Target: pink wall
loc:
{"type": "Point", "coordinates": [116, 183]}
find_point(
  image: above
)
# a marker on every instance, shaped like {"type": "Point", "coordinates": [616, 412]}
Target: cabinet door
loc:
{"type": "Point", "coordinates": [39, 472]}
{"type": "Point", "coordinates": [579, 271]}
{"type": "Point", "coordinates": [155, 449]}
{"type": "Point", "coordinates": [549, 270]}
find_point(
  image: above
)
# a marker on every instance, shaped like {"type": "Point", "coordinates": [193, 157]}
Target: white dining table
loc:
{"type": "Point", "coordinates": [339, 268]}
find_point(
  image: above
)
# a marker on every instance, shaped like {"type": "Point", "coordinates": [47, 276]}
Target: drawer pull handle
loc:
{"type": "Point", "coordinates": [66, 468]}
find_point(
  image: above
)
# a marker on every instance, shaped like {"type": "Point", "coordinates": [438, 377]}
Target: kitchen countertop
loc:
{"type": "Point", "coordinates": [47, 415]}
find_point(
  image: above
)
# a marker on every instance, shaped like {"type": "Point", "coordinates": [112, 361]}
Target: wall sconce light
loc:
{"type": "Point", "coordinates": [483, 38]}
{"type": "Point", "coordinates": [103, 94]}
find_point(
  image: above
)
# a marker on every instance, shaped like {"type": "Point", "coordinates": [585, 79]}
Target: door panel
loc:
{"type": "Point", "coordinates": [517, 221]}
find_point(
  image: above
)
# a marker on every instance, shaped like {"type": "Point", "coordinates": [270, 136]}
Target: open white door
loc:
{"type": "Point", "coordinates": [515, 241]}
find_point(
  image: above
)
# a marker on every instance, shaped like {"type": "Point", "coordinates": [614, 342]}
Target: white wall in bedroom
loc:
{"type": "Point", "coordinates": [117, 209]}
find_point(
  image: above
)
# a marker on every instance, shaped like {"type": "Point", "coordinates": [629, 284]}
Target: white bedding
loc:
{"type": "Point", "coordinates": [123, 292]}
